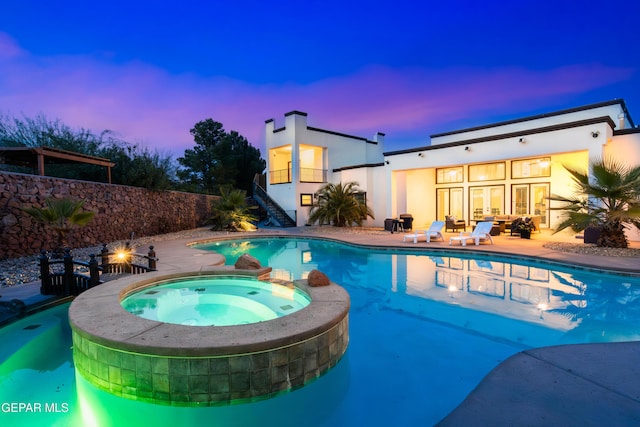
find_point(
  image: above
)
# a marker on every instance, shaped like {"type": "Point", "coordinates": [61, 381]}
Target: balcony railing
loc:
{"type": "Point", "coordinates": [313, 175]}
{"type": "Point", "coordinates": [281, 176]}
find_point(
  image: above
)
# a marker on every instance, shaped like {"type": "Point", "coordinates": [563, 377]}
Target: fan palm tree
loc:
{"type": "Point", "coordinates": [339, 205]}
{"type": "Point", "coordinates": [231, 212]}
{"type": "Point", "coordinates": [61, 215]}
{"type": "Point", "coordinates": [608, 197]}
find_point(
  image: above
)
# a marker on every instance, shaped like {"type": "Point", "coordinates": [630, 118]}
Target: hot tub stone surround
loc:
{"type": "Point", "coordinates": [180, 365]}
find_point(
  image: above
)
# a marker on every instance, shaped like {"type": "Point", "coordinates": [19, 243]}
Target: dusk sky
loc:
{"type": "Point", "coordinates": [150, 70]}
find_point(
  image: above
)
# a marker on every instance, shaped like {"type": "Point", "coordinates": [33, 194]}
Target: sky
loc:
{"type": "Point", "coordinates": [149, 71]}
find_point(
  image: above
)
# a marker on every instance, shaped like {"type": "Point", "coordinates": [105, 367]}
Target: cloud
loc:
{"type": "Point", "coordinates": [9, 48]}
{"type": "Point", "coordinates": [148, 105]}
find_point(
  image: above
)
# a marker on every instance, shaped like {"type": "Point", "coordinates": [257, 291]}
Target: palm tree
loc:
{"type": "Point", "coordinates": [231, 212]}
{"type": "Point", "coordinates": [608, 198]}
{"type": "Point", "coordinates": [339, 205]}
{"type": "Point", "coordinates": [61, 215]}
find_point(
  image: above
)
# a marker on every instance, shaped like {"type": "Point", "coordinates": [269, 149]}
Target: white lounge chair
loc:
{"type": "Point", "coordinates": [434, 231]}
{"type": "Point", "coordinates": [481, 232]}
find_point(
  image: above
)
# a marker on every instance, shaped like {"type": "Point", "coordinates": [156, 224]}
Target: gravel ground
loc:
{"type": "Point", "coordinates": [590, 249]}
{"type": "Point", "coordinates": [16, 271]}
{"type": "Point", "coordinates": [25, 270]}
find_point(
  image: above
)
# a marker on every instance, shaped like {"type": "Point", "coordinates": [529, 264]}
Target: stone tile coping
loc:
{"type": "Point", "coordinates": [97, 314]}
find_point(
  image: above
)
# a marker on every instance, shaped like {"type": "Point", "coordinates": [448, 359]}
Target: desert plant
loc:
{"type": "Point", "coordinates": [339, 205]}
{"type": "Point", "coordinates": [608, 197]}
{"type": "Point", "coordinates": [61, 215]}
{"type": "Point", "coordinates": [230, 211]}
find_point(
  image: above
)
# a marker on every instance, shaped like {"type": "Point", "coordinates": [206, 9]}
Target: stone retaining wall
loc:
{"type": "Point", "coordinates": [120, 211]}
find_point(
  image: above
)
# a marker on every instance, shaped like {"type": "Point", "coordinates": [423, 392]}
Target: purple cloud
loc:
{"type": "Point", "coordinates": [148, 105]}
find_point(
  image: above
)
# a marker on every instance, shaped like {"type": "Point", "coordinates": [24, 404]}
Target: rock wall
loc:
{"type": "Point", "coordinates": [120, 211]}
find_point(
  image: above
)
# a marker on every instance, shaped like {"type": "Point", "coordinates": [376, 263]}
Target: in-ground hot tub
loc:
{"type": "Point", "coordinates": [184, 365]}
{"type": "Point", "coordinates": [216, 301]}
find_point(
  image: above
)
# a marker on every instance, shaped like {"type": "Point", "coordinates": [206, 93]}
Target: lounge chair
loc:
{"type": "Point", "coordinates": [481, 232]}
{"type": "Point", "coordinates": [435, 231]}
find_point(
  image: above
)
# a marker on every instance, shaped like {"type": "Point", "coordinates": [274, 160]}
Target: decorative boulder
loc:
{"type": "Point", "coordinates": [317, 278]}
{"type": "Point", "coordinates": [247, 262]}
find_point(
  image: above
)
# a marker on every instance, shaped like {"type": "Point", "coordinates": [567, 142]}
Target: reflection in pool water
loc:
{"type": "Point", "coordinates": [425, 328]}
{"type": "Point", "coordinates": [559, 305]}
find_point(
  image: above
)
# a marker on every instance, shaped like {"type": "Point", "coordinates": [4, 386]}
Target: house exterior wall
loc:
{"type": "Point", "coordinates": [340, 150]}
{"type": "Point", "coordinates": [405, 181]}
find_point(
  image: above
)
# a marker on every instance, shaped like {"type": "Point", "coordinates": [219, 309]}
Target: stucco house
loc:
{"type": "Point", "coordinates": [509, 167]}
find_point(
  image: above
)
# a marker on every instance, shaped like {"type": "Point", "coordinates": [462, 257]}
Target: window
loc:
{"type": "Point", "coordinates": [487, 172]}
{"type": "Point", "coordinates": [531, 168]}
{"type": "Point", "coordinates": [306, 199]}
{"type": "Point", "coordinates": [449, 175]}
{"type": "Point", "coordinates": [361, 197]}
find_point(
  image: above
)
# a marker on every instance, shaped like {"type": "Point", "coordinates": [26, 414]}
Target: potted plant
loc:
{"type": "Point", "coordinates": [524, 227]}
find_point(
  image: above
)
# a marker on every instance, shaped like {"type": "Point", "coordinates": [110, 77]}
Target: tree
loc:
{"type": "Point", "coordinates": [61, 215]}
{"type": "Point", "coordinates": [231, 212]}
{"type": "Point", "coordinates": [140, 167]}
{"type": "Point", "coordinates": [339, 205]}
{"type": "Point", "coordinates": [609, 199]}
{"type": "Point", "coordinates": [219, 159]}
{"type": "Point", "coordinates": [135, 166]}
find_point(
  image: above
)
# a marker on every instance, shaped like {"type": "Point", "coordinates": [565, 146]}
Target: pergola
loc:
{"type": "Point", "coordinates": [39, 156]}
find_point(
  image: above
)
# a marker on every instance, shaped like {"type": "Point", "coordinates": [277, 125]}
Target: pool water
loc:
{"type": "Point", "coordinates": [425, 328]}
{"type": "Point", "coordinates": [215, 301]}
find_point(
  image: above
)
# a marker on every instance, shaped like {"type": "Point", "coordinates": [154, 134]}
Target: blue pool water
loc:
{"type": "Point", "coordinates": [425, 328]}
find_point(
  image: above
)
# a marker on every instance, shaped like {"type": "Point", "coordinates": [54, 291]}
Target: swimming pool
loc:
{"type": "Point", "coordinates": [429, 326]}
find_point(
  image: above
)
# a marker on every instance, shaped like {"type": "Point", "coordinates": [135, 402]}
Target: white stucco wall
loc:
{"type": "Point", "coordinates": [613, 111]}
{"type": "Point", "coordinates": [405, 182]}
{"type": "Point", "coordinates": [339, 150]}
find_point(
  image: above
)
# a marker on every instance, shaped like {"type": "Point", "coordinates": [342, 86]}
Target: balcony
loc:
{"type": "Point", "coordinates": [313, 175]}
{"type": "Point", "coordinates": [282, 176]}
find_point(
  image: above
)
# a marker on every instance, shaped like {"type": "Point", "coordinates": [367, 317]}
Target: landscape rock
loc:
{"type": "Point", "coordinates": [247, 262]}
{"type": "Point", "coordinates": [317, 278]}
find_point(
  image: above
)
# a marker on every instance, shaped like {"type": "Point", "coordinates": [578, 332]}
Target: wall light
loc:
{"type": "Point", "coordinates": [386, 162]}
{"type": "Point", "coordinates": [467, 148]}
{"type": "Point", "coordinates": [595, 134]}
{"type": "Point", "coordinates": [521, 141]}
{"type": "Point", "coordinates": [420, 155]}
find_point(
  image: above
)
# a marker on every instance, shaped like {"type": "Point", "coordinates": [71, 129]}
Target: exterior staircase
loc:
{"type": "Point", "coordinates": [279, 216]}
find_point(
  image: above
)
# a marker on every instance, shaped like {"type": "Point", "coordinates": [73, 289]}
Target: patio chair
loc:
{"type": "Point", "coordinates": [434, 230]}
{"type": "Point", "coordinates": [481, 232]}
{"type": "Point", "coordinates": [454, 224]}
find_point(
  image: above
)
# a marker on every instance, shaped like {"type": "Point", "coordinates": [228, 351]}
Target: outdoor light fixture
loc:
{"type": "Point", "coordinates": [595, 134]}
{"type": "Point", "coordinates": [420, 155]}
{"type": "Point", "coordinates": [467, 149]}
{"type": "Point", "coordinates": [521, 141]}
{"type": "Point", "coordinates": [387, 162]}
